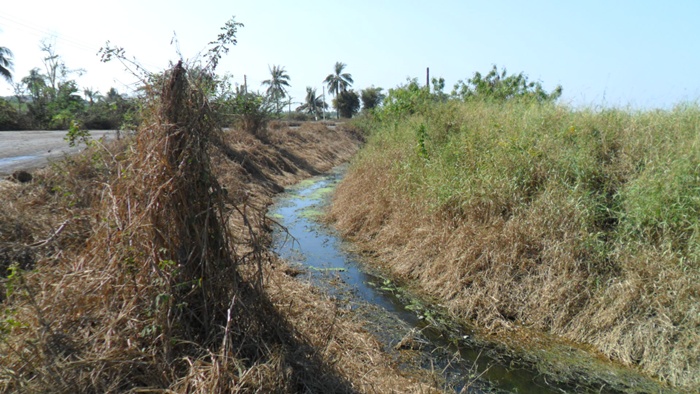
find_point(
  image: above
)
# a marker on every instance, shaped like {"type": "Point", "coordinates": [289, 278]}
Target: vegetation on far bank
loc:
{"type": "Point", "coordinates": [514, 210]}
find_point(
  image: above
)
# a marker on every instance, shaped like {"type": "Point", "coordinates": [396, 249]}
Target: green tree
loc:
{"type": "Point", "coordinates": [439, 89]}
{"type": "Point", "coordinates": [57, 72]}
{"type": "Point", "coordinates": [500, 86]}
{"type": "Point", "coordinates": [20, 92]}
{"type": "Point", "coordinates": [54, 99]}
{"type": "Point", "coordinates": [113, 96]}
{"type": "Point", "coordinates": [37, 107]}
{"type": "Point", "coordinates": [113, 111]}
{"type": "Point", "coordinates": [313, 104]}
{"type": "Point", "coordinates": [55, 68]}
{"type": "Point", "coordinates": [347, 103]}
{"type": "Point", "coordinates": [406, 99]}
{"type": "Point", "coordinates": [6, 64]}
{"type": "Point", "coordinates": [338, 81]}
{"type": "Point", "coordinates": [251, 112]}
{"type": "Point", "coordinates": [10, 119]}
{"type": "Point", "coordinates": [65, 106]}
{"type": "Point", "coordinates": [276, 85]}
{"type": "Point", "coordinates": [35, 83]}
{"type": "Point", "coordinates": [372, 97]}
{"type": "Point", "coordinates": [91, 95]}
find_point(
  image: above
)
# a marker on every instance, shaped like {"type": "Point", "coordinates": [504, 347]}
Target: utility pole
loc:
{"type": "Point", "coordinates": [324, 102]}
{"type": "Point", "coordinates": [245, 83]}
{"type": "Point", "coordinates": [427, 78]}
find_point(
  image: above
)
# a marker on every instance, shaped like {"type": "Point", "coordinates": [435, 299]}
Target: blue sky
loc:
{"type": "Point", "coordinates": [642, 54]}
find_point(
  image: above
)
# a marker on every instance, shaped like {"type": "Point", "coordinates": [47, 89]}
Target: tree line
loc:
{"type": "Point", "coordinates": [50, 98]}
{"type": "Point", "coordinates": [345, 101]}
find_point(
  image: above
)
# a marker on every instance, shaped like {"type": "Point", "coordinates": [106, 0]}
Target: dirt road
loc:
{"type": "Point", "coordinates": [25, 150]}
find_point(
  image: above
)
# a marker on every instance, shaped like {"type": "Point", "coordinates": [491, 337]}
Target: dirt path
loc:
{"type": "Point", "coordinates": [22, 150]}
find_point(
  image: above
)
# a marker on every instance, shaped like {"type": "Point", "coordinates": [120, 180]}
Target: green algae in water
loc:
{"type": "Point", "coordinates": [329, 269]}
{"type": "Point", "coordinates": [321, 193]}
{"type": "Point", "coordinates": [311, 213]}
{"type": "Point", "coordinates": [306, 183]}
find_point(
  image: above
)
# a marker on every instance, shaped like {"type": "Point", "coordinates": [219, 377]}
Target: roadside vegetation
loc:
{"type": "Point", "coordinates": [520, 213]}
{"type": "Point", "coordinates": [142, 265]}
{"type": "Point", "coordinates": [49, 97]}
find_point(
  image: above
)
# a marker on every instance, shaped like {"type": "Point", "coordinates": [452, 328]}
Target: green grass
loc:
{"type": "Point", "coordinates": [634, 177]}
{"type": "Point", "coordinates": [581, 222]}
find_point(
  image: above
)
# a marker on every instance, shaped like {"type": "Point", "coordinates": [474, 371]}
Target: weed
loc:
{"type": "Point", "coordinates": [77, 134]}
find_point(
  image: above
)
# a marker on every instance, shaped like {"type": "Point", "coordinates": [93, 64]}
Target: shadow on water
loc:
{"type": "Point", "coordinates": [401, 322]}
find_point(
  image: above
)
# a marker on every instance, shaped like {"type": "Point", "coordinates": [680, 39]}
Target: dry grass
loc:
{"type": "Point", "coordinates": [535, 254]}
{"type": "Point", "coordinates": [160, 280]}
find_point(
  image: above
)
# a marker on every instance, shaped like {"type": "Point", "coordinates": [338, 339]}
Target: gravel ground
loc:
{"type": "Point", "coordinates": [26, 150]}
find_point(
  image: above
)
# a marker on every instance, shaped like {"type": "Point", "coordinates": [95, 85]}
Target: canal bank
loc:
{"type": "Point", "coordinates": [417, 332]}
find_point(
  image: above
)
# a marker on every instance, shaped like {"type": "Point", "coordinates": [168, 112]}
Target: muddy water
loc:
{"type": "Point", "coordinates": [417, 334]}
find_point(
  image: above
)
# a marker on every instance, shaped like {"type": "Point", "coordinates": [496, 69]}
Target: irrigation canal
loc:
{"type": "Point", "coordinates": [406, 326]}
{"type": "Point", "coordinates": [420, 335]}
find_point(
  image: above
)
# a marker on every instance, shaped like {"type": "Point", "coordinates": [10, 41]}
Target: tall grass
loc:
{"type": "Point", "coordinates": [584, 223]}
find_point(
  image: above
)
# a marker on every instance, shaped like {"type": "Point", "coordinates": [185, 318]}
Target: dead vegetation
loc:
{"type": "Point", "coordinates": [142, 267]}
{"type": "Point", "coordinates": [508, 262]}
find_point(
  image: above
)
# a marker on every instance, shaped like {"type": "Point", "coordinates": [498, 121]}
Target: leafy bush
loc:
{"type": "Point", "coordinates": [9, 118]}
{"type": "Point", "coordinates": [499, 86]}
{"type": "Point", "coordinates": [372, 98]}
{"type": "Point", "coordinates": [247, 111]}
{"type": "Point", "coordinates": [77, 134]}
{"type": "Point", "coordinates": [347, 103]}
{"type": "Point", "coordinates": [405, 100]}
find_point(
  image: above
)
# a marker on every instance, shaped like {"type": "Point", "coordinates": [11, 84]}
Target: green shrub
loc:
{"type": "Point", "coordinates": [347, 103]}
{"type": "Point", "coordinates": [9, 118]}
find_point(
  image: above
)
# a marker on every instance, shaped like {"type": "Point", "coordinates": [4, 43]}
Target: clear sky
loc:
{"type": "Point", "coordinates": [643, 53]}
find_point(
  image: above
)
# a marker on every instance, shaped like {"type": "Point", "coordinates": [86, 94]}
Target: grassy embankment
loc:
{"type": "Point", "coordinates": [142, 266]}
{"type": "Point", "coordinates": [580, 223]}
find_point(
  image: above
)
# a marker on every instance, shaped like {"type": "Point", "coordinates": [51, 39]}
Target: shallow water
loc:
{"type": "Point", "coordinates": [467, 361]}
{"type": "Point", "coordinates": [392, 312]}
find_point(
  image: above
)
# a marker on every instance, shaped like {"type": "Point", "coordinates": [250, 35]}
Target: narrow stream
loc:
{"type": "Point", "coordinates": [404, 324]}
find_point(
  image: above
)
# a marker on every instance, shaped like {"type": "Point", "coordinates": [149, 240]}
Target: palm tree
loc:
{"type": "Point", "coordinates": [339, 81]}
{"type": "Point", "coordinates": [6, 64]}
{"type": "Point", "coordinates": [92, 95]}
{"type": "Point", "coordinates": [313, 104]}
{"type": "Point", "coordinates": [276, 84]}
{"type": "Point", "coordinates": [36, 83]}
{"type": "Point", "coordinates": [113, 96]}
